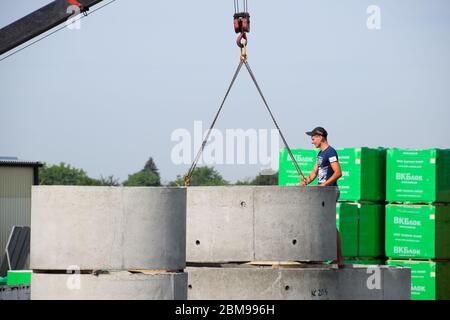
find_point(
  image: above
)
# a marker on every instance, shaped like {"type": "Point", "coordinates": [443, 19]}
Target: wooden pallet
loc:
{"type": "Point", "coordinates": [143, 271]}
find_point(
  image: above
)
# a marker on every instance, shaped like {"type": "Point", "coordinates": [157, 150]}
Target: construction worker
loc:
{"type": "Point", "coordinates": [328, 170]}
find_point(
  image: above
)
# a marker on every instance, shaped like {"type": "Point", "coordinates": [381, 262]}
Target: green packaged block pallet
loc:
{"type": "Point", "coordinates": [418, 231]}
{"type": "Point", "coordinates": [363, 171]}
{"type": "Point", "coordinates": [371, 230]}
{"type": "Point", "coordinates": [347, 224]}
{"type": "Point", "coordinates": [418, 176]}
{"type": "Point", "coordinates": [18, 277]}
{"type": "Point", "coordinates": [429, 280]}
{"type": "Point", "coordinates": [3, 281]}
{"type": "Point", "coordinates": [361, 227]}
{"type": "Point", "coordinates": [287, 174]}
{"type": "Point", "coordinates": [363, 174]}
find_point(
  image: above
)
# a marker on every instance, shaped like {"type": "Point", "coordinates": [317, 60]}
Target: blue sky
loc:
{"type": "Point", "coordinates": [106, 97]}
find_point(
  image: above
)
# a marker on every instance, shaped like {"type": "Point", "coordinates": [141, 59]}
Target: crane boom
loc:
{"type": "Point", "coordinates": [38, 22]}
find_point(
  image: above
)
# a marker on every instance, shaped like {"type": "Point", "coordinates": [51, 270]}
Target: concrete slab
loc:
{"type": "Point", "coordinates": [110, 228]}
{"type": "Point", "coordinates": [113, 286]}
{"type": "Point", "coordinates": [226, 224]}
{"type": "Point", "coordinates": [325, 283]}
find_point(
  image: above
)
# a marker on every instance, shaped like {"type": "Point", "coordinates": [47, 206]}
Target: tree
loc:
{"type": "Point", "coordinates": [151, 166]}
{"type": "Point", "coordinates": [265, 180]}
{"type": "Point", "coordinates": [147, 177]}
{"type": "Point", "coordinates": [63, 174]}
{"type": "Point", "coordinates": [109, 181]}
{"type": "Point", "coordinates": [142, 179]}
{"type": "Point", "coordinates": [260, 180]}
{"type": "Point", "coordinates": [202, 176]}
{"type": "Point", "coordinates": [245, 182]}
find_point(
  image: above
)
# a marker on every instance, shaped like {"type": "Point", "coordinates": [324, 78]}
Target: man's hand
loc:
{"type": "Point", "coordinates": [303, 183]}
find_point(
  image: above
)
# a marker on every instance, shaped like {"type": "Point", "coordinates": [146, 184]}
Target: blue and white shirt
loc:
{"type": "Point", "coordinates": [324, 160]}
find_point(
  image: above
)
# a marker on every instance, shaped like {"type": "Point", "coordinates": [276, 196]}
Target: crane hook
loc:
{"type": "Point", "coordinates": [241, 40]}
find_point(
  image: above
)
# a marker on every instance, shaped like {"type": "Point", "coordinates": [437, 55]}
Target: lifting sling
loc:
{"type": "Point", "coordinates": [241, 27]}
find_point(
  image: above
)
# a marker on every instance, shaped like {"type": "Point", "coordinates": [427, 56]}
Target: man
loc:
{"type": "Point", "coordinates": [327, 168]}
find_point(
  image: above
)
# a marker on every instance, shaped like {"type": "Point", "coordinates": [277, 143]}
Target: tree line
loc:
{"type": "Point", "coordinates": [148, 176]}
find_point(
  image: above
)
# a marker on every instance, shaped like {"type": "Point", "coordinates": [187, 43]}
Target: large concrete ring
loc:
{"type": "Point", "coordinates": [253, 283]}
{"type": "Point", "coordinates": [317, 283]}
{"type": "Point", "coordinates": [231, 224]}
{"type": "Point", "coordinates": [112, 286]}
{"type": "Point", "coordinates": [110, 228]}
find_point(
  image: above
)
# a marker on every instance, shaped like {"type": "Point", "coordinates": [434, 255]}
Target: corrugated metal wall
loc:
{"type": "Point", "coordinates": [15, 200]}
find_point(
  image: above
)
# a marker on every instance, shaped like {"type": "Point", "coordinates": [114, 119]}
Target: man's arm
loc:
{"type": "Point", "coordinates": [310, 177]}
{"type": "Point", "coordinates": [336, 175]}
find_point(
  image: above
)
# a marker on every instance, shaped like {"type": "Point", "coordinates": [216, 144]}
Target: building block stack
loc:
{"type": "Point", "coordinates": [418, 219]}
{"type": "Point", "coordinates": [361, 204]}
{"type": "Point", "coordinates": [360, 211]}
{"type": "Point", "coordinates": [361, 227]}
{"type": "Point", "coordinates": [287, 174]}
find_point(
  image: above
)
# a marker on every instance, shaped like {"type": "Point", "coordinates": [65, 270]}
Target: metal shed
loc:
{"type": "Point", "coordinates": [16, 178]}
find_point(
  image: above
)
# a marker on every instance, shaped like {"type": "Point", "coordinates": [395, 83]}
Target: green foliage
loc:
{"type": "Point", "coordinates": [143, 178]}
{"type": "Point", "coordinates": [246, 182]}
{"type": "Point", "coordinates": [151, 166]}
{"type": "Point", "coordinates": [63, 174]}
{"type": "Point", "coordinates": [260, 180]}
{"type": "Point", "coordinates": [265, 180]}
{"type": "Point", "coordinates": [147, 177]}
{"type": "Point", "coordinates": [109, 181]}
{"type": "Point", "coordinates": [202, 176]}
{"type": "Point", "coordinates": [179, 182]}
